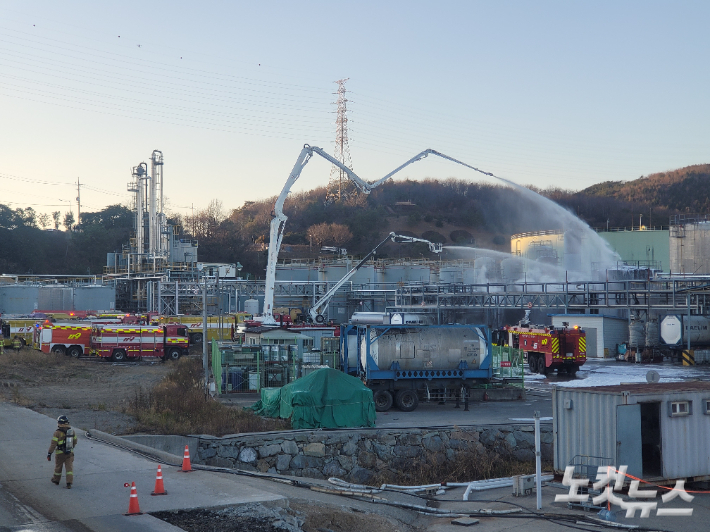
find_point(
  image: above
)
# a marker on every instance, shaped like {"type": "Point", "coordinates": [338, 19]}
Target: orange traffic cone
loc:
{"type": "Point", "coordinates": [159, 488]}
{"type": "Point", "coordinates": [186, 467]}
{"type": "Point", "coordinates": [133, 506]}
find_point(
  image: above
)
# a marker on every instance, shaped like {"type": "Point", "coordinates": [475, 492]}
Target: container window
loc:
{"type": "Point", "coordinates": [707, 406]}
{"type": "Point", "coordinates": [680, 408]}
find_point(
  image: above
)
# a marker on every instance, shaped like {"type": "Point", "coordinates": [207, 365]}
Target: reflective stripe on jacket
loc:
{"type": "Point", "coordinates": [59, 440]}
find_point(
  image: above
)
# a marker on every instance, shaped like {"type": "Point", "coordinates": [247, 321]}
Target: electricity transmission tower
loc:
{"type": "Point", "coordinates": [339, 187]}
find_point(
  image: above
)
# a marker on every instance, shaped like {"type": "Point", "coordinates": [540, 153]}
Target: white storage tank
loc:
{"type": "Point", "coordinates": [251, 306]}
{"type": "Point", "coordinates": [426, 348]}
{"type": "Point", "coordinates": [674, 330]}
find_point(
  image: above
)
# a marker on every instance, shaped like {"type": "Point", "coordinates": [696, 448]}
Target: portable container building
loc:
{"type": "Point", "coordinates": [660, 431]}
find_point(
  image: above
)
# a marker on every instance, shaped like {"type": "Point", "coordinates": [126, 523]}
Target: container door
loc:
{"type": "Point", "coordinates": [591, 342]}
{"type": "Point", "coordinates": [628, 439]}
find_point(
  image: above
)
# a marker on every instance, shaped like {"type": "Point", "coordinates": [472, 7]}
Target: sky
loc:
{"type": "Point", "coordinates": [550, 93]}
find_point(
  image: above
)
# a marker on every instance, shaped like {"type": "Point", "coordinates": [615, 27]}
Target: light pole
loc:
{"type": "Point", "coordinates": [205, 363]}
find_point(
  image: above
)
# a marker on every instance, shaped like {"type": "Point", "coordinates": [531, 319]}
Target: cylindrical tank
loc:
{"type": "Point", "coordinates": [251, 306]}
{"type": "Point", "coordinates": [368, 318]}
{"type": "Point", "coordinates": [511, 269]}
{"type": "Point", "coordinates": [652, 338]}
{"type": "Point", "coordinates": [637, 336]}
{"type": "Point", "coordinates": [449, 274]}
{"type": "Point", "coordinates": [485, 270]}
{"type": "Point", "coordinates": [469, 275]}
{"type": "Point", "coordinates": [427, 348]}
{"type": "Point", "coordinates": [674, 330]}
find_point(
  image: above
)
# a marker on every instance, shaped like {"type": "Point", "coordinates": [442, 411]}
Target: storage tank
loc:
{"type": "Point", "coordinates": [637, 334]}
{"type": "Point", "coordinates": [511, 269]}
{"type": "Point", "coordinates": [674, 330]}
{"type": "Point", "coordinates": [426, 348]}
{"type": "Point", "coordinates": [652, 337]}
{"type": "Point", "coordinates": [369, 318]}
{"type": "Point", "coordinates": [386, 318]}
{"type": "Point", "coordinates": [251, 306]}
{"type": "Point", "coordinates": [449, 274]}
{"type": "Point", "coordinates": [485, 270]}
{"type": "Point", "coordinates": [468, 274]}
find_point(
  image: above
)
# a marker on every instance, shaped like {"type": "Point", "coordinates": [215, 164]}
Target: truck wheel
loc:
{"type": "Point", "coordinates": [572, 370]}
{"type": "Point", "coordinates": [119, 355]}
{"type": "Point", "coordinates": [173, 353]}
{"type": "Point", "coordinates": [383, 400]}
{"type": "Point", "coordinates": [58, 349]}
{"type": "Point", "coordinates": [74, 351]}
{"type": "Point", "coordinates": [196, 338]}
{"type": "Point", "coordinates": [407, 400]}
{"type": "Point", "coordinates": [532, 363]}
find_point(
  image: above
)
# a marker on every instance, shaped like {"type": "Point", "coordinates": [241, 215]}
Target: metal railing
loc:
{"type": "Point", "coordinates": [248, 368]}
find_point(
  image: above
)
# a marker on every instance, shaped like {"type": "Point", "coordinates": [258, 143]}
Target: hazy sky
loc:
{"type": "Point", "coordinates": [563, 94]}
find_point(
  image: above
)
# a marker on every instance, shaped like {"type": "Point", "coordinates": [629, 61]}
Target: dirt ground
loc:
{"type": "Point", "coordinates": [91, 392]}
{"type": "Point", "coordinates": [300, 516]}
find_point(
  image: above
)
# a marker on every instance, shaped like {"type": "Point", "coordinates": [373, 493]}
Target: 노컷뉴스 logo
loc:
{"type": "Point", "coordinates": [605, 476]}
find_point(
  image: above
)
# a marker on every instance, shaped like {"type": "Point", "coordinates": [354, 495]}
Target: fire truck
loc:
{"type": "Point", "coordinates": [120, 342]}
{"type": "Point", "coordinates": [215, 330]}
{"type": "Point", "coordinates": [549, 348]}
{"type": "Point", "coordinates": [73, 338]}
{"type": "Point", "coordinates": [22, 327]}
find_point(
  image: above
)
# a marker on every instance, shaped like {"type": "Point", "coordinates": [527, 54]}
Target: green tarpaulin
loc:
{"type": "Point", "coordinates": [269, 404]}
{"type": "Point", "coordinates": [327, 398]}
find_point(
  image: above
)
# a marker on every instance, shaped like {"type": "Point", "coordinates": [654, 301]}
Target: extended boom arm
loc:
{"type": "Point", "coordinates": [279, 221]}
{"type": "Point", "coordinates": [316, 311]}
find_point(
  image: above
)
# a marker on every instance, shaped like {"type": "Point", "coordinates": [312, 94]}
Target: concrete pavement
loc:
{"type": "Point", "coordinates": [98, 498]}
{"type": "Point", "coordinates": [29, 502]}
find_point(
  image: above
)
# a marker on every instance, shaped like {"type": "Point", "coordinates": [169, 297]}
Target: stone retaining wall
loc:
{"type": "Point", "coordinates": [358, 455]}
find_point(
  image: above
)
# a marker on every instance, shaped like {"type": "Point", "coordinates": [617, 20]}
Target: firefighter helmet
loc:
{"type": "Point", "coordinates": [63, 420]}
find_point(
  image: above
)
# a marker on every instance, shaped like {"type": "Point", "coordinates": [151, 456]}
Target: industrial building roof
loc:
{"type": "Point", "coordinates": [646, 388]}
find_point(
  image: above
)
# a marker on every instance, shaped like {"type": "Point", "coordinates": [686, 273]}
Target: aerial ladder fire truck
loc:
{"type": "Point", "coordinates": [278, 222]}
{"type": "Point", "coordinates": [317, 311]}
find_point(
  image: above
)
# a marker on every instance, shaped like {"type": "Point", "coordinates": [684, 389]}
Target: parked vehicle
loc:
{"type": "Point", "coordinates": [69, 338]}
{"type": "Point", "coordinates": [549, 348]}
{"type": "Point", "coordinates": [120, 342]}
{"type": "Point", "coordinates": [403, 363]}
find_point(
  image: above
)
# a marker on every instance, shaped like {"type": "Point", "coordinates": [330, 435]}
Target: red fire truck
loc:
{"type": "Point", "coordinates": [131, 341]}
{"type": "Point", "coordinates": [550, 348]}
{"type": "Point", "coordinates": [73, 338]}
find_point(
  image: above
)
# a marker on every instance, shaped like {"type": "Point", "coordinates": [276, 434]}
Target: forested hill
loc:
{"type": "Point", "coordinates": [678, 190]}
{"type": "Point", "coordinates": [454, 212]}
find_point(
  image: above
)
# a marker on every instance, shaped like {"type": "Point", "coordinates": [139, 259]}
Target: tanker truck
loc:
{"type": "Point", "coordinates": [674, 330]}
{"type": "Point", "coordinates": [403, 362]}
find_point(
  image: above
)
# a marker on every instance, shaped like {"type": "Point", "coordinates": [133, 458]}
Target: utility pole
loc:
{"type": "Point", "coordinates": [338, 186]}
{"type": "Point", "coordinates": [205, 363]}
{"type": "Point", "coordinates": [78, 202]}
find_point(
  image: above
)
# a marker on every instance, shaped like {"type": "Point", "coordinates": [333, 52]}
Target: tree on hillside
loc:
{"type": "Point", "coordinates": [68, 220]}
{"type": "Point", "coordinates": [324, 233]}
{"type": "Point", "coordinates": [43, 220]}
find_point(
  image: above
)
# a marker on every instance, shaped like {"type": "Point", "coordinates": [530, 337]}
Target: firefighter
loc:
{"type": "Point", "coordinates": [16, 343]}
{"type": "Point", "coordinates": [63, 441]}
